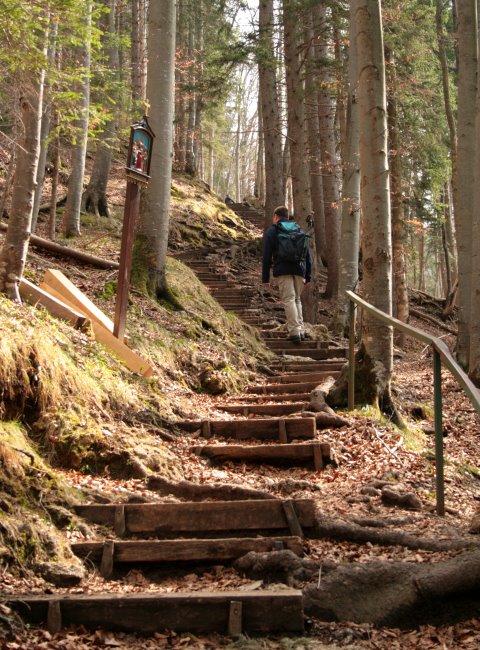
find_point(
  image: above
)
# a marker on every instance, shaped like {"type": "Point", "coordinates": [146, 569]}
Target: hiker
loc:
{"type": "Point", "coordinates": [228, 200]}
{"type": "Point", "coordinates": [287, 245]}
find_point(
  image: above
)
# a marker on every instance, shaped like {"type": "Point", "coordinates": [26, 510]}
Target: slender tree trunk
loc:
{"type": "Point", "coordinates": [398, 234]}
{"type": "Point", "coordinates": [14, 251]}
{"type": "Point", "coordinates": [95, 198]}
{"type": "Point", "coordinates": [326, 111]}
{"type": "Point", "coordinates": [150, 250]}
{"type": "Point", "coordinates": [450, 231]}
{"type": "Point", "coordinates": [259, 190]}
{"type": "Point", "coordinates": [421, 260]}
{"type": "Point", "coordinates": [467, 71]}
{"type": "Point", "coordinates": [180, 101]}
{"type": "Point", "coordinates": [350, 227]}
{"type": "Point", "coordinates": [44, 131]}
{"type": "Point", "coordinates": [71, 217]}
{"type": "Point", "coordinates": [302, 206]}
{"type": "Point", "coordinates": [189, 153]}
{"type": "Point", "coordinates": [270, 123]}
{"type": "Point", "coordinates": [135, 51]}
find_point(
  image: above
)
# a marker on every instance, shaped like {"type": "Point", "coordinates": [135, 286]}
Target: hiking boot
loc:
{"type": "Point", "coordinates": [296, 338]}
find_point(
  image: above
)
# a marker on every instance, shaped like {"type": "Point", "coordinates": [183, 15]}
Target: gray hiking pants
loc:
{"type": "Point", "coordinates": [291, 287]}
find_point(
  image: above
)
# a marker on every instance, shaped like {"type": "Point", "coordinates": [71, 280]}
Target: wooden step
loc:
{"type": "Point", "coordinates": [184, 550]}
{"type": "Point", "coordinates": [197, 517]}
{"type": "Point", "coordinates": [305, 376]}
{"type": "Point", "coordinates": [285, 344]}
{"type": "Point", "coordinates": [312, 353]}
{"type": "Point", "coordinates": [267, 428]}
{"type": "Point", "coordinates": [316, 454]}
{"type": "Point", "coordinates": [262, 409]}
{"type": "Point", "coordinates": [277, 397]}
{"type": "Point", "coordinates": [304, 366]}
{"type": "Point", "coordinates": [294, 387]}
{"type": "Point", "coordinates": [229, 612]}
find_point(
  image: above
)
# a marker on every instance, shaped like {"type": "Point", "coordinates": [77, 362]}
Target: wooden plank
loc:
{"type": "Point", "coordinates": [294, 387]}
{"type": "Point", "coordinates": [36, 296]}
{"type": "Point", "coordinates": [292, 518]}
{"type": "Point", "coordinates": [264, 428]}
{"type": "Point", "coordinates": [291, 454]}
{"type": "Point", "coordinates": [168, 518]}
{"type": "Point", "coordinates": [58, 281]}
{"type": "Point", "coordinates": [306, 377]}
{"type": "Point", "coordinates": [235, 618]}
{"type": "Point", "coordinates": [317, 456]}
{"type": "Point", "coordinates": [131, 359]}
{"type": "Point", "coordinates": [186, 550]}
{"type": "Point", "coordinates": [278, 397]}
{"type": "Point", "coordinates": [106, 565]}
{"type": "Point", "coordinates": [200, 612]}
{"type": "Point", "coordinates": [54, 616]}
{"type": "Point", "coordinates": [262, 409]}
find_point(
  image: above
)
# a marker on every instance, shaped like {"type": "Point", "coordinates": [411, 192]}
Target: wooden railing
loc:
{"type": "Point", "coordinates": [440, 354]}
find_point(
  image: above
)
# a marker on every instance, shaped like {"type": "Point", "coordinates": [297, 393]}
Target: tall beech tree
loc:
{"type": "Point", "coordinates": [150, 250]}
{"type": "Point", "coordinates": [375, 356]}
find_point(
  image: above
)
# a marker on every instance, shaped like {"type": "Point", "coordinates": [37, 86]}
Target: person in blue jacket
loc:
{"type": "Point", "coordinates": [291, 277]}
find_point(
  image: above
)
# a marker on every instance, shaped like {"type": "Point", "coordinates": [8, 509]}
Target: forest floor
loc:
{"type": "Point", "coordinates": [370, 448]}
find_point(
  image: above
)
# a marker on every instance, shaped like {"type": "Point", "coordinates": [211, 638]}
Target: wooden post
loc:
{"type": "Point", "coordinates": [106, 564]}
{"type": "Point", "coordinates": [54, 617]}
{"type": "Point", "coordinates": [235, 618]}
{"type": "Point", "coordinates": [126, 252]}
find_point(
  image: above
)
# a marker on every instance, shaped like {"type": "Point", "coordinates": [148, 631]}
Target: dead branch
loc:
{"type": "Point", "coordinates": [197, 492]}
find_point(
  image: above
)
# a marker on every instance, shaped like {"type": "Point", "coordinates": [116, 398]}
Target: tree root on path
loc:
{"type": "Point", "coordinates": [398, 594]}
{"type": "Point", "coordinates": [200, 492]}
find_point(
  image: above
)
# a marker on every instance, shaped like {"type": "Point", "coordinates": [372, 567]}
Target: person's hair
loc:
{"type": "Point", "coordinates": [281, 212]}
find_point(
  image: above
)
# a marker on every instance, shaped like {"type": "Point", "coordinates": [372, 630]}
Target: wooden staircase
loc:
{"type": "Point", "coordinates": [269, 429]}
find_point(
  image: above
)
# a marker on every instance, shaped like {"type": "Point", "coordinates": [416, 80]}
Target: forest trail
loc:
{"type": "Point", "coordinates": [269, 428]}
{"type": "Point", "coordinates": [229, 559]}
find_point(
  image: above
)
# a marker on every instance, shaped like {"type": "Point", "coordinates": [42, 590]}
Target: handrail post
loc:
{"type": "Point", "coordinates": [437, 404]}
{"type": "Point", "coordinates": [351, 356]}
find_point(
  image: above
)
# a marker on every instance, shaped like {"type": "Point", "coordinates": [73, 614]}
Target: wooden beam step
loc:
{"type": "Point", "coordinates": [186, 550]}
{"type": "Point", "coordinates": [262, 409]}
{"type": "Point", "coordinates": [316, 454]}
{"type": "Point", "coordinates": [259, 398]}
{"type": "Point", "coordinates": [198, 517]}
{"type": "Point", "coordinates": [259, 612]}
{"type": "Point", "coordinates": [312, 353]}
{"type": "Point", "coordinates": [265, 428]}
{"type": "Point", "coordinates": [294, 387]}
{"type": "Point", "coordinates": [276, 344]}
{"type": "Point", "coordinates": [305, 376]}
{"type": "Point", "coordinates": [306, 366]}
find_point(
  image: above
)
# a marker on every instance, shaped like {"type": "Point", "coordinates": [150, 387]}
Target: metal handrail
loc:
{"type": "Point", "coordinates": [440, 353]}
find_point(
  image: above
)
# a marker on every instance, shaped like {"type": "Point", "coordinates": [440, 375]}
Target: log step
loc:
{"type": "Point", "coordinates": [268, 428]}
{"type": "Point", "coordinates": [277, 397]}
{"type": "Point", "coordinates": [185, 550]}
{"type": "Point", "coordinates": [294, 387]}
{"type": "Point", "coordinates": [305, 377]}
{"type": "Point", "coordinates": [197, 517]}
{"type": "Point", "coordinates": [262, 409]}
{"type": "Point", "coordinates": [317, 454]}
{"type": "Point", "coordinates": [313, 353]}
{"type": "Point", "coordinates": [306, 366]}
{"type": "Point", "coordinates": [278, 344]}
{"type": "Point", "coordinates": [234, 612]}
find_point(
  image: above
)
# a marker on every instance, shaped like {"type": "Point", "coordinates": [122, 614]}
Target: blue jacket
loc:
{"type": "Point", "coordinates": [281, 268]}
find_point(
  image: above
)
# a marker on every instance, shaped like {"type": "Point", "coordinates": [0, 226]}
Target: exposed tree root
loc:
{"type": "Point", "coordinates": [196, 492]}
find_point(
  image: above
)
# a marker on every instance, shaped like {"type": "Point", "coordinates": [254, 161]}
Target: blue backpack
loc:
{"type": "Point", "coordinates": [292, 242]}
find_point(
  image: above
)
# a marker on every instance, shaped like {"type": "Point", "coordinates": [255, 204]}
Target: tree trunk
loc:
{"type": "Point", "coordinates": [326, 114]}
{"type": "Point", "coordinates": [44, 131]}
{"type": "Point", "coordinates": [95, 198]}
{"type": "Point", "coordinates": [270, 123]}
{"type": "Point", "coordinates": [180, 102]}
{"type": "Point", "coordinates": [71, 217]}
{"type": "Point", "coordinates": [14, 251]}
{"type": "Point", "coordinates": [350, 227]}
{"type": "Point", "coordinates": [302, 206]}
{"type": "Point", "coordinates": [467, 71]}
{"type": "Point", "coordinates": [191, 102]}
{"type": "Point", "coordinates": [150, 250]}
{"type": "Point", "coordinates": [399, 265]}
{"type": "Point", "coordinates": [375, 357]}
